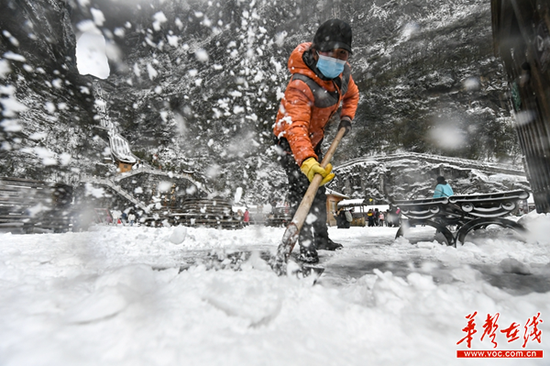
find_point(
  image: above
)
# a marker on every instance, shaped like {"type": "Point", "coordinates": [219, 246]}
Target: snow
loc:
{"type": "Point", "coordinates": [91, 55]}
{"type": "Point", "coordinates": [115, 296]}
{"type": "Point", "coordinates": [351, 202]}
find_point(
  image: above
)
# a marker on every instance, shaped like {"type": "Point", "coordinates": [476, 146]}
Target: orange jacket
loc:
{"type": "Point", "coordinates": [307, 107]}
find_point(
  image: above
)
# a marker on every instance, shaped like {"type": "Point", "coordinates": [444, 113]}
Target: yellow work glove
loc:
{"type": "Point", "coordinates": [311, 166]}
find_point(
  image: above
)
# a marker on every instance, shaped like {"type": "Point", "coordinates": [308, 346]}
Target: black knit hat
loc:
{"type": "Point", "coordinates": [333, 34]}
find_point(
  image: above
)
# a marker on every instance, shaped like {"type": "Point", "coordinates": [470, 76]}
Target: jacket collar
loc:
{"type": "Point", "coordinates": [301, 61]}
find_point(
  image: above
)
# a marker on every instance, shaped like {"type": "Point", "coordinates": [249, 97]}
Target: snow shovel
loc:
{"type": "Point", "coordinates": [292, 231]}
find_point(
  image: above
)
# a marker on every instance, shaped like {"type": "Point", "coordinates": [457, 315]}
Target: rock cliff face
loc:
{"type": "Point", "coordinates": [196, 84]}
{"type": "Point", "coordinates": [41, 31]}
{"type": "Point", "coordinates": [413, 176]}
{"type": "Point", "coordinates": [47, 106]}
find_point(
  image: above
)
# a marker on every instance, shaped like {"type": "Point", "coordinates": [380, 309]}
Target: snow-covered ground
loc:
{"type": "Point", "coordinates": [116, 296]}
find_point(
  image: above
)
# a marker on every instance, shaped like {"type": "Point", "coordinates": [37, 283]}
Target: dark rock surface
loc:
{"type": "Point", "coordinates": [197, 84]}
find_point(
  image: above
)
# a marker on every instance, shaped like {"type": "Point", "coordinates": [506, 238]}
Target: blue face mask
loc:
{"type": "Point", "coordinates": [330, 67]}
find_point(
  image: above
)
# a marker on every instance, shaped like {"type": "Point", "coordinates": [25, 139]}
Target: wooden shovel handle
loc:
{"type": "Point", "coordinates": [293, 229]}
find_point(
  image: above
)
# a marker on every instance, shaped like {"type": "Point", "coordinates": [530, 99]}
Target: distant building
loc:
{"type": "Point", "coordinates": [333, 198]}
{"type": "Point", "coordinates": [360, 207]}
{"type": "Point", "coordinates": [120, 149]}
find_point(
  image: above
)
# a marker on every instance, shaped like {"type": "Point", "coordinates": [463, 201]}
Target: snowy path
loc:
{"type": "Point", "coordinates": [100, 297]}
{"type": "Point", "coordinates": [372, 250]}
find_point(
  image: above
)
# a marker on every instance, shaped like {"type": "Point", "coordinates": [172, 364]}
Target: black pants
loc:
{"type": "Point", "coordinates": [314, 230]}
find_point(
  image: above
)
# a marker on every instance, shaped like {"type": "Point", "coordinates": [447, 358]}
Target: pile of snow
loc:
{"type": "Point", "coordinates": [116, 296]}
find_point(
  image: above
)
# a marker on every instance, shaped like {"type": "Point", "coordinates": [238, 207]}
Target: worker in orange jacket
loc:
{"type": "Point", "coordinates": [321, 87]}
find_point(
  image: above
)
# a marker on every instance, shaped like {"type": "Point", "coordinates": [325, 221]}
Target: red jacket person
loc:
{"type": "Point", "coordinates": [321, 87]}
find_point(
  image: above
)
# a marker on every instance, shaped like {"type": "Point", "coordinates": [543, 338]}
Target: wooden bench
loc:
{"type": "Point", "coordinates": [28, 206]}
{"type": "Point", "coordinates": [454, 217]}
{"type": "Point", "coordinates": [214, 213]}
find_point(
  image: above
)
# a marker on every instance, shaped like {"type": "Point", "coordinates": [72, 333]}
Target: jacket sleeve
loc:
{"type": "Point", "coordinates": [350, 101]}
{"type": "Point", "coordinates": [297, 103]}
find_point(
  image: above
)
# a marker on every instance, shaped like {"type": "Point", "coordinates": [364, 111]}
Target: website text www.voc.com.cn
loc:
{"type": "Point", "coordinates": [499, 353]}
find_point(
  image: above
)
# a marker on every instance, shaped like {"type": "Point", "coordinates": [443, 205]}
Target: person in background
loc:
{"type": "Point", "coordinates": [131, 218]}
{"type": "Point", "coordinates": [381, 218]}
{"type": "Point", "coordinates": [320, 87]}
{"type": "Point", "coordinates": [116, 217]}
{"type": "Point", "coordinates": [442, 189]}
{"type": "Point", "coordinates": [246, 217]}
{"type": "Point", "coordinates": [370, 217]}
{"type": "Point", "coordinates": [341, 219]}
{"type": "Point", "coordinates": [344, 219]}
{"type": "Point", "coordinates": [349, 216]}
